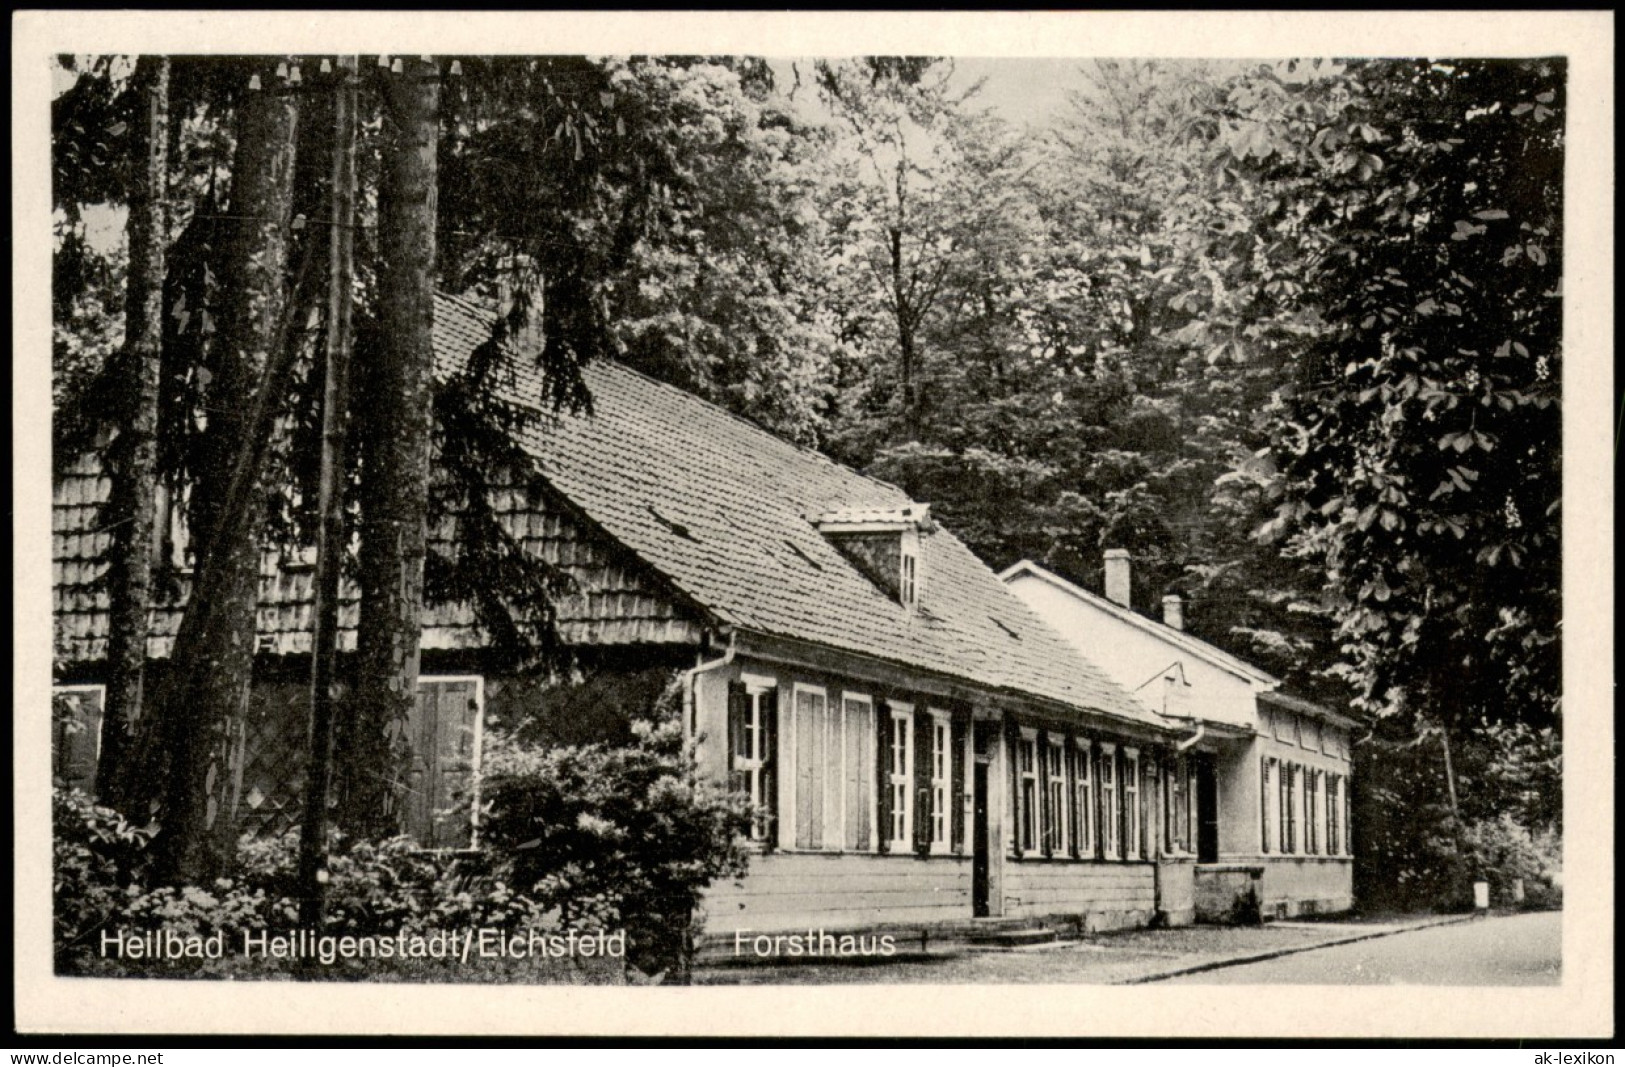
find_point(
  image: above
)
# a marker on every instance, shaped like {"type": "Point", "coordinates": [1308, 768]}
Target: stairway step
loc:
{"type": "Point", "coordinates": [1033, 935]}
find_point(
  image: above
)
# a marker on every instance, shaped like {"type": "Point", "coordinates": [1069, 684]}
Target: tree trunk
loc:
{"type": "Point", "coordinates": [395, 457]}
{"type": "Point", "coordinates": [331, 534]}
{"type": "Point", "coordinates": [133, 460]}
{"type": "Point", "coordinates": [207, 699]}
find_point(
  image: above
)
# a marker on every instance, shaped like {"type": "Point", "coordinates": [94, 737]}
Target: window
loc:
{"type": "Point", "coordinates": [1055, 781]}
{"type": "Point", "coordinates": [1027, 768]}
{"type": "Point", "coordinates": [1265, 773]}
{"type": "Point", "coordinates": [1083, 790]}
{"type": "Point", "coordinates": [1279, 725]}
{"type": "Point", "coordinates": [1328, 740]}
{"type": "Point", "coordinates": [1311, 735]}
{"type": "Point", "coordinates": [1131, 803]}
{"type": "Point", "coordinates": [171, 541]}
{"type": "Point", "coordinates": [445, 736]}
{"type": "Point", "coordinates": [1178, 793]}
{"type": "Point", "coordinates": [1109, 813]}
{"type": "Point", "coordinates": [942, 763]}
{"type": "Point", "coordinates": [900, 766]}
{"type": "Point", "coordinates": [752, 710]}
{"type": "Point", "coordinates": [1333, 798]}
{"type": "Point", "coordinates": [76, 735]}
{"type": "Point", "coordinates": [907, 578]}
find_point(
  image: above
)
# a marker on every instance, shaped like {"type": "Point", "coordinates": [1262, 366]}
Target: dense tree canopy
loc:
{"type": "Point", "coordinates": [1289, 333]}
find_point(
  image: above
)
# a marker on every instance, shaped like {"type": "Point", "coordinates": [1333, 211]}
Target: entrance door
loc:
{"type": "Point", "coordinates": [979, 857]}
{"type": "Point", "coordinates": [1207, 812]}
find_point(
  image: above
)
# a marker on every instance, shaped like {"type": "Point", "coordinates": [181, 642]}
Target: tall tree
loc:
{"type": "Point", "coordinates": [205, 700]}
{"type": "Point", "coordinates": [133, 458]}
{"type": "Point", "coordinates": [395, 450]}
{"type": "Point", "coordinates": [330, 536]}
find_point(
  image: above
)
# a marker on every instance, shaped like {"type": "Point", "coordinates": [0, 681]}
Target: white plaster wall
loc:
{"type": "Point", "coordinates": [1133, 657]}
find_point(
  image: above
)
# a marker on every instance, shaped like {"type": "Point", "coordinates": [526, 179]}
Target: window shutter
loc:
{"type": "Point", "coordinates": [958, 728]}
{"type": "Point", "coordinates": [1045, 820]}
{"type": "Point", "coordinates": [738, 716]}
{"type": "Point", "coordinates": [883, 774]}
{"type": "Point", "coordinates": [924, 727]}
{"type": "Point", "coordinates": [1148, 805]}
{"type": "Point", "coordinates": [1122, 804]}
{"type": "Point", "coordinates": [1264, 800]}
{"type": "Point", "coordinates": [1095, 801]}
{"type": "Point", "coordinates": [1069, 767]}
{"type": "Point", "coordinates": [770, 765]}
{"type": "Point", "coordinates": [1012, 746]}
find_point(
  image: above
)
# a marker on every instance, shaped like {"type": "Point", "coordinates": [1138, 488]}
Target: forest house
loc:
{"type": "Point", "coordinates": [924, 745]}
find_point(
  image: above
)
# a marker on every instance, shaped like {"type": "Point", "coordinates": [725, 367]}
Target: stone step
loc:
{"type": "Point", "coordinates": [1012, 938]}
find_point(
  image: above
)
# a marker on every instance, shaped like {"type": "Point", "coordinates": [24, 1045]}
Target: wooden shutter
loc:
{"type": "Point", "coordinates": [1012, 747]}
{"type": "Point", "coordinates": [1148, 802]}
{"type": "Point", "coordinates": [883, 775]}
{"type": "Point", "coordinates": [1069, 767]}
{"type": "Point", "coordinates": [769, 704]}
{"type": "Point", "coordinates": [1045, 822]}
{"type": "Point", "coordinates": [1120, 761]}
{"type": "Point", "coordinates": [924, 729]}
{"type": "Point", "coordinates": [958, 728]}
{"type": "Point", "coordinates": [1264, 800]}
{"type": "Point", "coordinates": [810, 730]}
{"type": "Point", "coordinates": [859, 735]}
{"type": "Point", "coordinates": [738, 717]}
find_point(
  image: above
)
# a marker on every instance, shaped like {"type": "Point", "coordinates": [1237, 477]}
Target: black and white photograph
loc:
{"type": "Point", "coordinates": [1052, 517]}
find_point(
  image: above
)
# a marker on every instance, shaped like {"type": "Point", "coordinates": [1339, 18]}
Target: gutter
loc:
{"type": "Point", "coordinates": [690, 677]}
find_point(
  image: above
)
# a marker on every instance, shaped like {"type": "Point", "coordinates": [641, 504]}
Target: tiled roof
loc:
{"type": "Point", "coordinates": [715, 507]}
{"type": "Point", "coordinates": [727, 512]}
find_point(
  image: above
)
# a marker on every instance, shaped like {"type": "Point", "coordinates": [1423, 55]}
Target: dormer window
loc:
{"type": "Point", "coordinates": [884, 545]}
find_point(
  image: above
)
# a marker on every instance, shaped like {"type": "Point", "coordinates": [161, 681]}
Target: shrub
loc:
{"type": "Point", "coordinates": [626, 835]}
{"type": "Point", "coordinates": [96, 860]}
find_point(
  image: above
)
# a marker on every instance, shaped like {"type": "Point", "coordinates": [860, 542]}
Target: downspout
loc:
{"type": "Point", "coordinates": [690, 677]}
{"type": "Point", "coordinates": [1201, 728]}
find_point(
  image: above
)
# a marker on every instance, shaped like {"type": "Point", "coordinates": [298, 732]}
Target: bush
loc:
{"type": "Point", "coordinates": [626, 836]}
{"type": "Point", "coordinates": [1501, 851]}
{"type": "Point", "coordinates": [588, 837]}
{"type": "Point", "coordinates": [96, 861]}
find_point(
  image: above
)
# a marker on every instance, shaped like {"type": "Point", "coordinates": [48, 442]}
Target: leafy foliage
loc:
{"type": "Point", "coordinates": [1419, 205]}
{"type": "Point", "coordinates": [626, 834]}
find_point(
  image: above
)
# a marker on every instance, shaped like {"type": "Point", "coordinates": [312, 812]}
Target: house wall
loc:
{"type": "Point", "coordinates": [1139, 659]}
{"type": "Point", "coordinates": [1307, 885]}
{"type": "Point", "coordinates": [1176, 885]}
{"type": "Point", "coordinates": [800, 891]}
{"type": "Point", "coordinates": [1099, 895]}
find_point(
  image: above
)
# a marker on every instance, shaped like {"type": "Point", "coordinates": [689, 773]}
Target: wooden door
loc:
{"type": "Point", "coordinates": [442, 766]}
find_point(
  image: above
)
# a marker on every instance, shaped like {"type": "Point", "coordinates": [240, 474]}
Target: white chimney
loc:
{"type": "Point", "coordinates": [1173, 611]}
{"type": "Point", "coordinates": [1117, 577]}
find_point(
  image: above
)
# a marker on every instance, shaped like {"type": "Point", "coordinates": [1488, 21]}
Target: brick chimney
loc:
{"type": "Point", "coordinates": [1173, 611]}
{"type": "Point", "coordinates": [1117, 577]}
